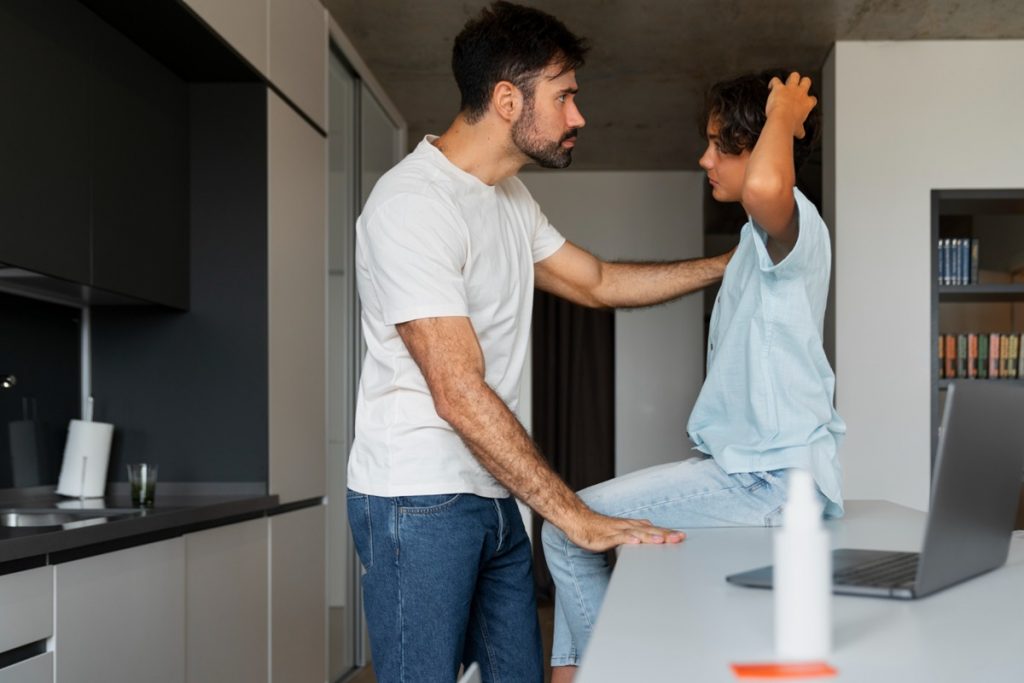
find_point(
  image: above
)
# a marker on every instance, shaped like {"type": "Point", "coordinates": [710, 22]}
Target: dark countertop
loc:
{"type": "Point", "coordinates": [173, 515]}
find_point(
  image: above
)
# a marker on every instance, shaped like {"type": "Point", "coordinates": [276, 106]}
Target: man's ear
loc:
{"type": "Point", "coordinates": [507, 101]}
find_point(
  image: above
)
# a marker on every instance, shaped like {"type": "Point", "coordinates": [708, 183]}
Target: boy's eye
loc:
{"type": "Point", "coordinates": [561, 98]}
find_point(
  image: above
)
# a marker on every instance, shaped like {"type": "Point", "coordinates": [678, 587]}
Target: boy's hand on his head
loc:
{"type": "Point", "coordinates": [791, 99]}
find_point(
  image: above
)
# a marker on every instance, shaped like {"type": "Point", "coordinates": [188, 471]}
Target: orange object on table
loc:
{"type": "Point", "coordinates": [783, 670]}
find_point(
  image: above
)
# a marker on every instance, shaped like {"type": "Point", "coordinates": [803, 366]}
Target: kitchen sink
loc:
{"type": "Point", "coordinates": [68, 519]}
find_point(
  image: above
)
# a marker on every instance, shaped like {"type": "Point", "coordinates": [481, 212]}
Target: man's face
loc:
{"type": "Point", "coordinates": [546, 130]}
{"type": "Point", "coordinates": [725, 171]}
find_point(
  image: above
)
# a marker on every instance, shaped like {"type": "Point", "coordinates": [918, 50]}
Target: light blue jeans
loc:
{"type": "Point", "coordinates": [680, 495]}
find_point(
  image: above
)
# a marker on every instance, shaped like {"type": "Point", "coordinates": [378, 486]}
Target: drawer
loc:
{"type": "Point", "coordinates": [36, 670]}
{"type": "Point", "coordinates": [27, 599]}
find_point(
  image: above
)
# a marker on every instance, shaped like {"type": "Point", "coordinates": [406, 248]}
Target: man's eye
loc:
{"type": "Point", "coordinates": [561, 98]}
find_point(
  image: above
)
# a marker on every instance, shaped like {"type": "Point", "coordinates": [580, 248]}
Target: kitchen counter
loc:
{"type": "Point", "coordinates": [173, 515]}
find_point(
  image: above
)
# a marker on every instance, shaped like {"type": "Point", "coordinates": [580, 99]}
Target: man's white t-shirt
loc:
{"type": "Point", "coordinates": [435, 241]}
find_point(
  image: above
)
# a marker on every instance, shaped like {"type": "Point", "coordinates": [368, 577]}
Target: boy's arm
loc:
{"type": "Point", "coordinates": [767, 193]}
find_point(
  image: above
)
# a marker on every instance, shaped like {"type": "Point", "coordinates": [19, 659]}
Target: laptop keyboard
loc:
{"type": "Point", "coordinates": [892, 571]}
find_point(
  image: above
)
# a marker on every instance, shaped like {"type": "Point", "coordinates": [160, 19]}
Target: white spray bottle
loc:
{"type": "Point", "coordinates": [802, 576]}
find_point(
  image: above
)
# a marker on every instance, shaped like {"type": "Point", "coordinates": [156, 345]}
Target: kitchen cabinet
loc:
{"type": "Point", "coordinates": [298, 55]}
{"type": "Point", "coordinates": [298, 596]}
{"type": "Point", "coordinates": [38, 669]}
{"type": "Point", "coordinates": [44, 138]}
{"type": "Point", "coordinates": [297, 291]}
{"type": "Point", "coordinates": [121, 616]}
{"type": "Point", "coordinates": [28, 614]}
{"type": "Point", "coordinates": [140, 160]}
{"type": "Point", "coordinates": [242, 24]}
{"type": "Point", "coordinates": [93, 155]}
{"type": "Point", "coordinates": [227, 603]}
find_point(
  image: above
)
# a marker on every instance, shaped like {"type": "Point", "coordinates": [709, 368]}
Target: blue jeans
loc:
{"type": "Point", "coordinates": [448, 581]}
{"type": "Point", "coordinates": [680, 495]}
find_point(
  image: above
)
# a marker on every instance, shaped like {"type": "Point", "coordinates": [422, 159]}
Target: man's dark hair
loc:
{"type": "Point", "coordinates": [508, 42]}
{"type": "Point", "coordinates": [738, 107]}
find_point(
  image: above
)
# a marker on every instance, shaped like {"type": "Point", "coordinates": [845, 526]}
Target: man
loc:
{"type": "Point", "coordinates": [449, 248]}
{"type": "Point", "coordinates": [767, 403]}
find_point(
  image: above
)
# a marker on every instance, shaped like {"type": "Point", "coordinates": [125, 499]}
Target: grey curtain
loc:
{"type": "Point", "coordinates": [573, 399]}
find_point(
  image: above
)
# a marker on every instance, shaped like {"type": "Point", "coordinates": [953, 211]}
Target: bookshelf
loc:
{"type": "Point", "coordinates": [996, 302]}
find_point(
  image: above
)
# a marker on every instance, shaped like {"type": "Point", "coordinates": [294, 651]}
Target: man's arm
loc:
{"type": "Point", "coordinates": [577, 275]}
{"type": "Point", "coordinates": [767, 193]}
{"type": "Point", "coordinates": [449, 356]}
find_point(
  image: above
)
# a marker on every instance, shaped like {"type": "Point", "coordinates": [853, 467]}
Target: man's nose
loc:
{"type": "Point", "coordinates": [576, 119]}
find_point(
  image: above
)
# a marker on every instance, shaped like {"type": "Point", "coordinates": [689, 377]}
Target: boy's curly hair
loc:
{"type": "Point", "coordinates": [738, 106]}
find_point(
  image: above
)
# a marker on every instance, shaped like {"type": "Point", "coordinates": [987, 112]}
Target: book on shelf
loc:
{"type": "Point", "coordinates": [961, 356]}
{"type": "Point", "coordinates": [1004, 355]}
{"type": "Point", "coordinates": [974, 260]}
{"type": "Point", "coordinates": [950, 356]}
{"type": "Point", "coordinates": [972, 356]}
{"type": "Point", "coordinates": [1020, 357]}
{"type": "Point", "coordinates": [958, 261]}
{"type": "Point", "coordinates": [981, 355]}
{"type": "Point", "coordinates": [993, 356]}
{"type": "Point", "coordinates": [1011, 360]}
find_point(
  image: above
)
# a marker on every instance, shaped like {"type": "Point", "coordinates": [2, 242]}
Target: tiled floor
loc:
{"type": "Point", "coordinates": [545, 613]}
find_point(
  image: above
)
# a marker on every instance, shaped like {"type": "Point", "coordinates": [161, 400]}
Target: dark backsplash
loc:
{"type": "Point", "coordinates": [39, 345]}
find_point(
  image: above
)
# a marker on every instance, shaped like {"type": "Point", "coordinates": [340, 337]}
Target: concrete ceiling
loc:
{"type": "Point", "coordinates": [651, 60]}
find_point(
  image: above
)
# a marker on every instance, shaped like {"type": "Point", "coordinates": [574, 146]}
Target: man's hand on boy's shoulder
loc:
{"type": "Point", "coordinates": [792, 99]}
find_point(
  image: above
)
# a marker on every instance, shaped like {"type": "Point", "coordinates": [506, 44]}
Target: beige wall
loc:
{"type": "Point", "coordinates": [905, 118]}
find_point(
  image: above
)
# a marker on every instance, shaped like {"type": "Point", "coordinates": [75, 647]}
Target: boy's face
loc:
{"type": "Point", "coordinates": [725, 171]}
{"type": "Point", "coordinates": [546, 131]}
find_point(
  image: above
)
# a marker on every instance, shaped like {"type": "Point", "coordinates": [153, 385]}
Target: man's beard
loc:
{"type": "Point", "coordinates": [545, 154]}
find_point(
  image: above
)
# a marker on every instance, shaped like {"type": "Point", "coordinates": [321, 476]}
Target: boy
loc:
{"type": "Point", "coordinates": [767, 403]}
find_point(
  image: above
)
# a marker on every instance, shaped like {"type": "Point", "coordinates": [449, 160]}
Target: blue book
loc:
{"type": "Point", "coordinates": [954, 257]}
{"type": "Point", "coordinates": [965, 261]}
{"type": "Point", "coordinates": [947, 273]}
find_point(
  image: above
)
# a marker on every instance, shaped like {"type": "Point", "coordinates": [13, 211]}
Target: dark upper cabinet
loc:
{"type": "Point", "coordinates": [44, 137]}
{"type": "Point", "coordinates": [93, 155]}
{"type": "Point", "coordinates": [140, 161]}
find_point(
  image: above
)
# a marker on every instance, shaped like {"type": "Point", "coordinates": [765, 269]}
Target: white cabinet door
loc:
{"type": "Point", "coordinates": [26, 601]}
{"type": "Point", "coordinates": [298, 55]}
{"type": "Point", "coordinates": [298, 596]}
{"type": "Point", "coordinates": [297, 305]}
{"type": "Point", "coordinates": [120, 617]}
{"type": "Point", "coordinates": [36, 670]}
{"type": "Point", "coordinates": [227, 607]}
{"type": "Point", "coordinates": [241, 23]}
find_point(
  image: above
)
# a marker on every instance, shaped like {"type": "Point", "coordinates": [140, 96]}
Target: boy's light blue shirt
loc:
{"type": "Point", "coordinates": [767, 402]}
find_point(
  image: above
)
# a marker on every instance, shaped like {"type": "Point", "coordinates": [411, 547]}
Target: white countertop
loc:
{"type": "Point", "coordinates": [670, 615]}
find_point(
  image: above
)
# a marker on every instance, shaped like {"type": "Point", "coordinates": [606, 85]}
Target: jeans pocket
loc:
{"type": "Point", "coordinates": [362, 530]}
{"type": "Point", "coordinates": [427, 505]}
{"type": "Point", "coordinates": [748, 480]}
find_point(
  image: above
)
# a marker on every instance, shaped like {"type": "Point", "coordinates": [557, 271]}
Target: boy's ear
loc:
{"type": "Point", "coordinates": [507, 101]}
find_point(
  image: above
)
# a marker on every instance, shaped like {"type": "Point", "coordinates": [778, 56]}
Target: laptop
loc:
{"type": "Point", "coordinates": [975, 488]}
